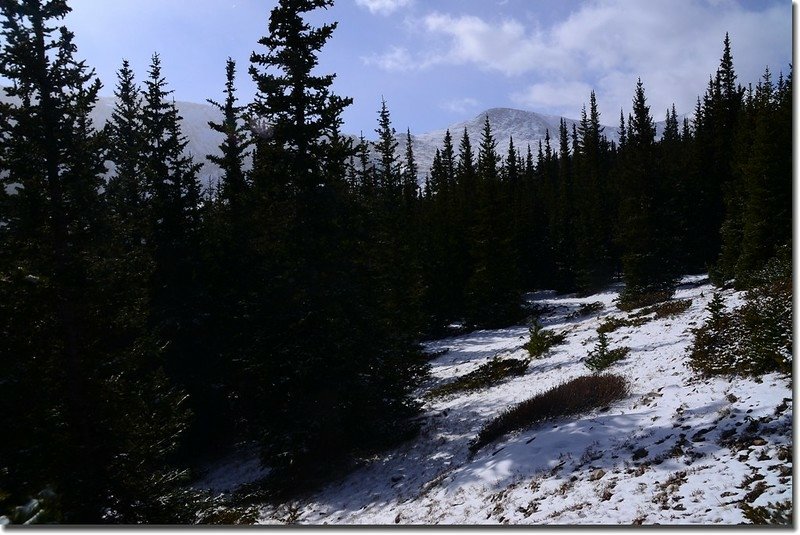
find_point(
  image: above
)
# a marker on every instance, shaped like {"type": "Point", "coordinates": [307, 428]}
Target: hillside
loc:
{"type": "Point", "coordinates": [677, 450]}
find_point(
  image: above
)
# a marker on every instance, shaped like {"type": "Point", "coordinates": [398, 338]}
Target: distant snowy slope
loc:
{"type": "Point", "coordinates": [202, 140]}
{"type": "Point", "coordinates": [526, 127]}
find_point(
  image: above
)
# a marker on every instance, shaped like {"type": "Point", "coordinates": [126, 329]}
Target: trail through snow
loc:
{"type": "Point", "coordinates": [678, 450]}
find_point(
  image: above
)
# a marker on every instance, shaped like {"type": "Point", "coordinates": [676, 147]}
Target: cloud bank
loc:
{"type": "Point", "coordinates": [383, 7]}
{"type": "Point", "coordinates": [673, 45]}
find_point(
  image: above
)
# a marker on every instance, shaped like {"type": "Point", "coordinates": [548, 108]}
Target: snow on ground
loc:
{"type": "Point", "coordinates": [678, 450]}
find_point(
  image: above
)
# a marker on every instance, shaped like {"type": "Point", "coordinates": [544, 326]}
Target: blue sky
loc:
{"type": "Point", "coordinates": [441, 61]}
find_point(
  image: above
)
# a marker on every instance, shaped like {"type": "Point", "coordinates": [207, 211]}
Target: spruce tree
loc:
{"type": "Point", "coordinates": [389, 171]}
{"type": "Point", "coordinates": [647, 258]}
{"type": "Point", "coordinates": [492, 291]}
{"type": "Point", "coordinates": [488, 159]}
{"type": "Point", "coordinates": [93, 418]}
{"type": "Point", "coordinates": [410, 171]}
{"type": "Point", "coordinates": [336, 360]}
{"type": "Point", "coordinates": [448, 160]}
{"type": "Point", "coordinates": [592, 235]}
{"type": "Point", "coordinates": [125, 191]}
{"type": "Point", "coordinates": [235, 143]}
{"type": "Point", "coordinates": [298, 105]}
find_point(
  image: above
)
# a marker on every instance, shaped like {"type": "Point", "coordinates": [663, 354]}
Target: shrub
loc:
{"type": "Point", "coordinates": [541, 341]}
{"type": "Point", "coordinates": [602, 357]}
{"type": "Point", "coordinates": [779, 513]}
{"type": "Point", "coordinates": [665, 310]}
{"type": "Point", "coordinates": [755, 338]}
{"type": "Point", "coordinates": [612, 324]}
{"type": "Point", "coordinates": [632, 301]}
{"type": "Point", "coordinates": [586, 309]}
{"type": "Point", "coordinates": [489, 374]}
{"type": "Point", "coordinates": [578, 395]}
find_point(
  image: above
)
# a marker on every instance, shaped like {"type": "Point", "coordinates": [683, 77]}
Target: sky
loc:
{"type": "Point", "coordinates": [437, 62]}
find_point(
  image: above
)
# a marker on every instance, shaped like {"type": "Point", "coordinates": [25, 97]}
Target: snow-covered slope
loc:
{"type": "Point", "coordinates": [677, 450]}
{"type": "Point", "coordinates": [526, 128]}
{"type": "Point", "coordinates": [202, 140]}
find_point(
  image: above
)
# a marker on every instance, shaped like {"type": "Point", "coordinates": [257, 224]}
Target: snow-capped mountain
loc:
{"type": "Point", "coordinates": [525, 127]}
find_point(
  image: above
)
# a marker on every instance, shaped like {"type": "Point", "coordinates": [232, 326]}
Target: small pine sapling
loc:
{"type": "Point", "coordinates": [602, 357]}
{"type": "Point", "coordinates": [541, 341]}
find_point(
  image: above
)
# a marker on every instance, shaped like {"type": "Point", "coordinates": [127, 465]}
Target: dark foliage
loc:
{"type": "Point", "coordinates": [631, 301]}
{"type": "Point", "coordinates": [489, 374]}
{"type": "Point", "coordinates": [665, 310]}
{"type": "Point", "coordinates": [611, 324]}
{"type": "Point", "coordinates": [601, 357]}
{"type": "Point", "coordinates": [756, 338]}
{"type": "Point", "coordinates": [541, 340]}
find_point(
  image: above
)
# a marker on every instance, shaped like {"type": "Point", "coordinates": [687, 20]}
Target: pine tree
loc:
{"type": "Point", "coordinates": [299, 106]}
{"type": "Point", "coordinates": [561, 213]}
{"type": "Point", "coordinates": [466, 160]}
{"type": "Point", "coordinates": [93, 418]}
{"type": "Point", "coordinates": [448, 160]}
{"type": "Point", "coordinates": [715, 130]}
{"type": "Point", "coordinates": [235, 143]}
{"type": "Point", "coordinates": [592, 235]}
{"type": "Point", "coordinates": [647, 258]}
{"type": "Point", "coordinates": [410, 171]}
{"type": "Point", "coordinates": [488, 159]}
{"type": "Point", "coordinates": [124, 130]}
{"type": "Point", "coordinates": [764, 185]}
{"type": "Point", "coordinates": [337, 357]}
{"type": "Point", "coordinates": [511, 170]}
{"type": "Point", "coordinates": [492, 291]}
{"type": "Point", "coordinates": [173, 189]}
{"type": "Point", "coordinates": [389, 171]}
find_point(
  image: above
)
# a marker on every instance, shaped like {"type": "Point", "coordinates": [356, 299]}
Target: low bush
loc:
{"type": "Point", "coordinates": [541, 340]}
{"type": "Point", "coordinates": [665, 310]}
{"type": "Point", "coordinates": [578, 395]}
{"type": "Point", "coordinates": [489, 374]}
{"type": "Point", "coordinates": [602, 357]}
{"type": "Point", "coordinates": [632, 301]}
{"type": "Point", "coordinates": [779, 513]}
{"type": "Point", "coordinates": [611, 324]}
{"type": "Point", "coordinates": [586, 309]}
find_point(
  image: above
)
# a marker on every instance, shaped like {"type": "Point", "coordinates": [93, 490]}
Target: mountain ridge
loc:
{"type": "Point", "coordinates": [524, 126]}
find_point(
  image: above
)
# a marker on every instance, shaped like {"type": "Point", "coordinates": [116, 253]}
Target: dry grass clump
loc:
{"type": "Point", "coordinates": [489, 374]}
{"type": "Point", "coordinates": [578, 395]}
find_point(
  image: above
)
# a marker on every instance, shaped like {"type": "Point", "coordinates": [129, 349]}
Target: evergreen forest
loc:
{"type": "Point", "coordinates": [149, 324]}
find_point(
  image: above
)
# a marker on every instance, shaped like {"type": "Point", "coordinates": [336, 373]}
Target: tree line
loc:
{"type": "Point", "coordinates": [150, 323]}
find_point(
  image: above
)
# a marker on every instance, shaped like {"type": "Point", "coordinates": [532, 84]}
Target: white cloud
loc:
{"type": "Point", "coordinates": [460, 105]}
{"type": "Point", "coordinates": [562, 97]}
{"type": "Point", "coordinates": [383, 7]}
{"type": "Point", "coordinates": [673, 45]}
{"type": "Point", "coordinates": [505, 46]}
{"type": "Point", "coordinates": [396, 59]}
